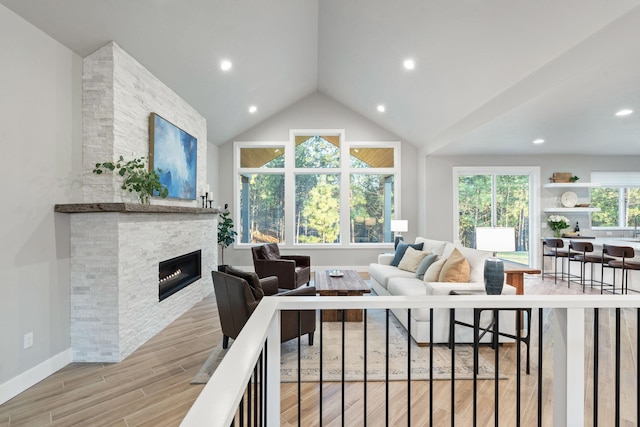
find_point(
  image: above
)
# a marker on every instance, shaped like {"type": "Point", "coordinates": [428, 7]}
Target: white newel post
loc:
{"type": "Point", "coordinates": [568, 366]}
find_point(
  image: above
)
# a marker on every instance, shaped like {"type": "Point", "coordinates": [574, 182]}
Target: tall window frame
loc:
{"type": "Point", "coordinates": [534, 200]}
{"type": "Point", "coordinates": [344, 171]}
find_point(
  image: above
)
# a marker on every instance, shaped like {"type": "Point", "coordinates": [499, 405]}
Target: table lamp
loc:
{"type": "Point", "coordinates": [399, 226]}
{"type": "Point", "coordinates": [494, 239]}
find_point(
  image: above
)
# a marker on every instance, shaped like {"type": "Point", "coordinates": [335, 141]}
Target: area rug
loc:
{"type": "Point", "coordinates": [354, 355]}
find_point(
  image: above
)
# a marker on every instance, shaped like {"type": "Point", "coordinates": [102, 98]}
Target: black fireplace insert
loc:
{"type": "Point", "coordinates": [178, 273]}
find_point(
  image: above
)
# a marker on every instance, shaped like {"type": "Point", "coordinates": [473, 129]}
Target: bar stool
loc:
{"type": "Point", "coordinates": [621, 262]}
{"type": "Point", "coordinates": [553, 245]}
{"type": "Point", "coordinates": [586, 255]}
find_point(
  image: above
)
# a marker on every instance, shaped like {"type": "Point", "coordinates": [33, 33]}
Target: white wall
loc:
{"type": "Point", "coordinates": [320, 112]}
{"type": "Point", "coordinates": [40, 136]}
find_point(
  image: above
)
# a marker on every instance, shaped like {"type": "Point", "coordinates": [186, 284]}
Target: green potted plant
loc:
{"type": "Point", "coordinates": [226, 235]}
{"type": "Point", "coordinates": [136, 177]}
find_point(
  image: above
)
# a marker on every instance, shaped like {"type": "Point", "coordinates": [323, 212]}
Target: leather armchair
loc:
{"type": "Point", "coordinates": [237, 300]}
{"type": "Point", "coordinates": [292, 271]}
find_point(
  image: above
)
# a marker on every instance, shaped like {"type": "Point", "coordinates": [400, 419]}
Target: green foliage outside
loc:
{"type": "Point", "coordinates": [608, 200]}
{"type": "Point", "coordinates": [317, 199]}
{"type": "Point", "coordinates": [511, 206]}
{"type": "Point", "coordinates": [321, 212]}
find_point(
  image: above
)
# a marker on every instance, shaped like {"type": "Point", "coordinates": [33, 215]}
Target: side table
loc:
{"type": "Point", "coordinates": [479, 332]}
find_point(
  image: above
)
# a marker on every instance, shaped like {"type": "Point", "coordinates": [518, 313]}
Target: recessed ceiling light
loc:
{"type": "Point", "coordinates": [409, 64]}
{"type": "Point", "coordinates": [381, 108]}
{"type": "Point", "coordinates": [624, 112]}
{"type": "Point", "coordinates": [538, 141]}
{"type": "Point", "coordinates": [253, 109]}
{"type": "Point", "coordinates": [225, 65]}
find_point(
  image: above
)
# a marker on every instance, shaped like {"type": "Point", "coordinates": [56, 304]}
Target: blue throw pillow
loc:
{"type": "Point", "coordinates": [401, 249]}
{"type": "Point", "coordinates": [424, 265]}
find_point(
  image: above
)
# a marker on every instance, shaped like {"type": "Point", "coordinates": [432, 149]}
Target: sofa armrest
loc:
{"type": "Point", "coordinates": [385, 258]}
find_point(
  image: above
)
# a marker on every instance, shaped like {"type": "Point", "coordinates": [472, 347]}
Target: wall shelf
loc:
{"type": "Point", "coordinates": [571, 185]}
{"type": "Point", "coordinates": [573, 210]}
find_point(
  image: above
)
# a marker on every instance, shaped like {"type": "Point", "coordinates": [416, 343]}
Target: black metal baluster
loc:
{"type": "Point", "coordinates": [452, 339]}
{"type": "Point", "coordinates": [365, 367]}
{"type": "Point", "coordinates": [262, 388]}
{"type": "Point", "coordinates": [518, 362]}
{"type": "Point", "coordinates": [256, 402]}
{"type": "Point", "coordinates": [476, 344]}
{"type": "Point", "coordinates": [497, 376]}
{"type": "Point", "coordinates": [540, 367]}
{"type": "Point", "coordinates": [299, 367]}
{"type": "Point", "coordinates": [617, 422]}
{"type": "Point", "coordinates": [321, 393]}
{"type": "Point", "coordinates": [241, 411]}
{"type": "Point", "coordinates": [266, 382]}
{"type": "Point", "coordinates": [344, 314]}
{"type": "Point", "coordinates": [431, 368]}
{"type": "Point", "coordinates": [249, 400]}
{"type": "Point", "coordinates": [596, 358]}
{"type": "Point", "coordinates": [386, 385]}
{"type": "Point", "coordinates": [408, 366]}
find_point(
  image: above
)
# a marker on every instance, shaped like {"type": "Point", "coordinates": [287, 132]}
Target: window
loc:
{"type": "Point", "coordinates": [497, 197]}
{"type": "Point", "coordinates": [618, 198]}
{"type": "Point", "coordinates": [317, 189]}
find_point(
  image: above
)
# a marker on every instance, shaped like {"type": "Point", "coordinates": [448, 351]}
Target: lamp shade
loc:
{"type": "Point", "coordinates": [495, 239]}
{"type": "Point", "coordinates": [399, 225]}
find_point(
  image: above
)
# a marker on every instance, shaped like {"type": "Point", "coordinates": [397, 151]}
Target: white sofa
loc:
{"type": "Point", "coordinates": [389, 280]}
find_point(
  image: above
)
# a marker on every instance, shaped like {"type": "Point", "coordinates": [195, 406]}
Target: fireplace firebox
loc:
{"type": "Point", "coordinates": [178, 273]}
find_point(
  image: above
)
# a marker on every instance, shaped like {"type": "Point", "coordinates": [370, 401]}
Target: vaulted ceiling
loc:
{"type": "Point", "coordinates": [490, 76]}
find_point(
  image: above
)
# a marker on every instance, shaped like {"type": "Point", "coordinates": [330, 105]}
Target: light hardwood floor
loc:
{"type": "Point", "coordinates": [152, 386]}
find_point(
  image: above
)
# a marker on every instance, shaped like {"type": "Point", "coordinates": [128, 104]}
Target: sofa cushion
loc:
{"type": "Point", "coordinates": [382, 273]}
{"type": "Point", "coordinates": [476, 260]}
{"type": "Point", "coordinates": [433, 246]}
{"type": "Point", "coordinates": [401, 249]}
{"type": "Point", "coordinates": [455, 269]}
{"type": "Point", "coordinates": [433, 272]}
{"type": "Point", "coordinates": [411, 260]}
{"type": "Point", "coordinates": [424, 265]}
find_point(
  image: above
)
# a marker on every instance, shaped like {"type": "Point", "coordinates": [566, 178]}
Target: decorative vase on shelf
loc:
{"type": "Point", "coordinates": [557, 233]}
{"type": "Point", "coordinates": [144, 199]}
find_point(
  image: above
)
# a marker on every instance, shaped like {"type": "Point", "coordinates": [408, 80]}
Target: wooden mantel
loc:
{"type": "Point", "coordinates": [131, 208]}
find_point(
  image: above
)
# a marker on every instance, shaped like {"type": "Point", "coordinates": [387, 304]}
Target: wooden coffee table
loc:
{"type": "Point", "coordinates": [350, 284]}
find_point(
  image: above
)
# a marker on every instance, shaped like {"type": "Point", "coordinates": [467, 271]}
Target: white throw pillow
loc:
{"type": "Point", "coordinates": [433, 272]}
{"type": "Point", "coordinates": [411, 259]}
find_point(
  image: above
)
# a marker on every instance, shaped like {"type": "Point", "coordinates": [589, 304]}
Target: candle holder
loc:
{"type": "Point", "coordinates": [203, 201]}
{"type": "Point", "coordinates": [210, 203]}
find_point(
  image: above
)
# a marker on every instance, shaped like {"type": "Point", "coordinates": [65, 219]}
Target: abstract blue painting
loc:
{"type": "Point", "coordinates": [173, 151]}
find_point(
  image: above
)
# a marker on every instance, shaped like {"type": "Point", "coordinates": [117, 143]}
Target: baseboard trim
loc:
{"type": "Point", "coordinates": [18, 384]}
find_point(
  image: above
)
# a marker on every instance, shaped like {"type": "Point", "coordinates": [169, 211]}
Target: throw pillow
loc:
{"type": "Point", "coordinates": [251, 278]}
{"type": "Point", "coordinates": [425, 264]}
{"type": "Point", "coordinates": [401, 249]}
{"type": "Point", "coordinates": [456, 269]}
{"type": "Point", "coordinates": [411, 260]}
{"type": "Point", "coordinates": [433, 272]}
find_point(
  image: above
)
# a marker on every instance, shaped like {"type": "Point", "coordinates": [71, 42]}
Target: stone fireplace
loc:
{"type": "Point", "coordinates": [117, 244]}
{"type": "Point", "coordinates": [116, 250]}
